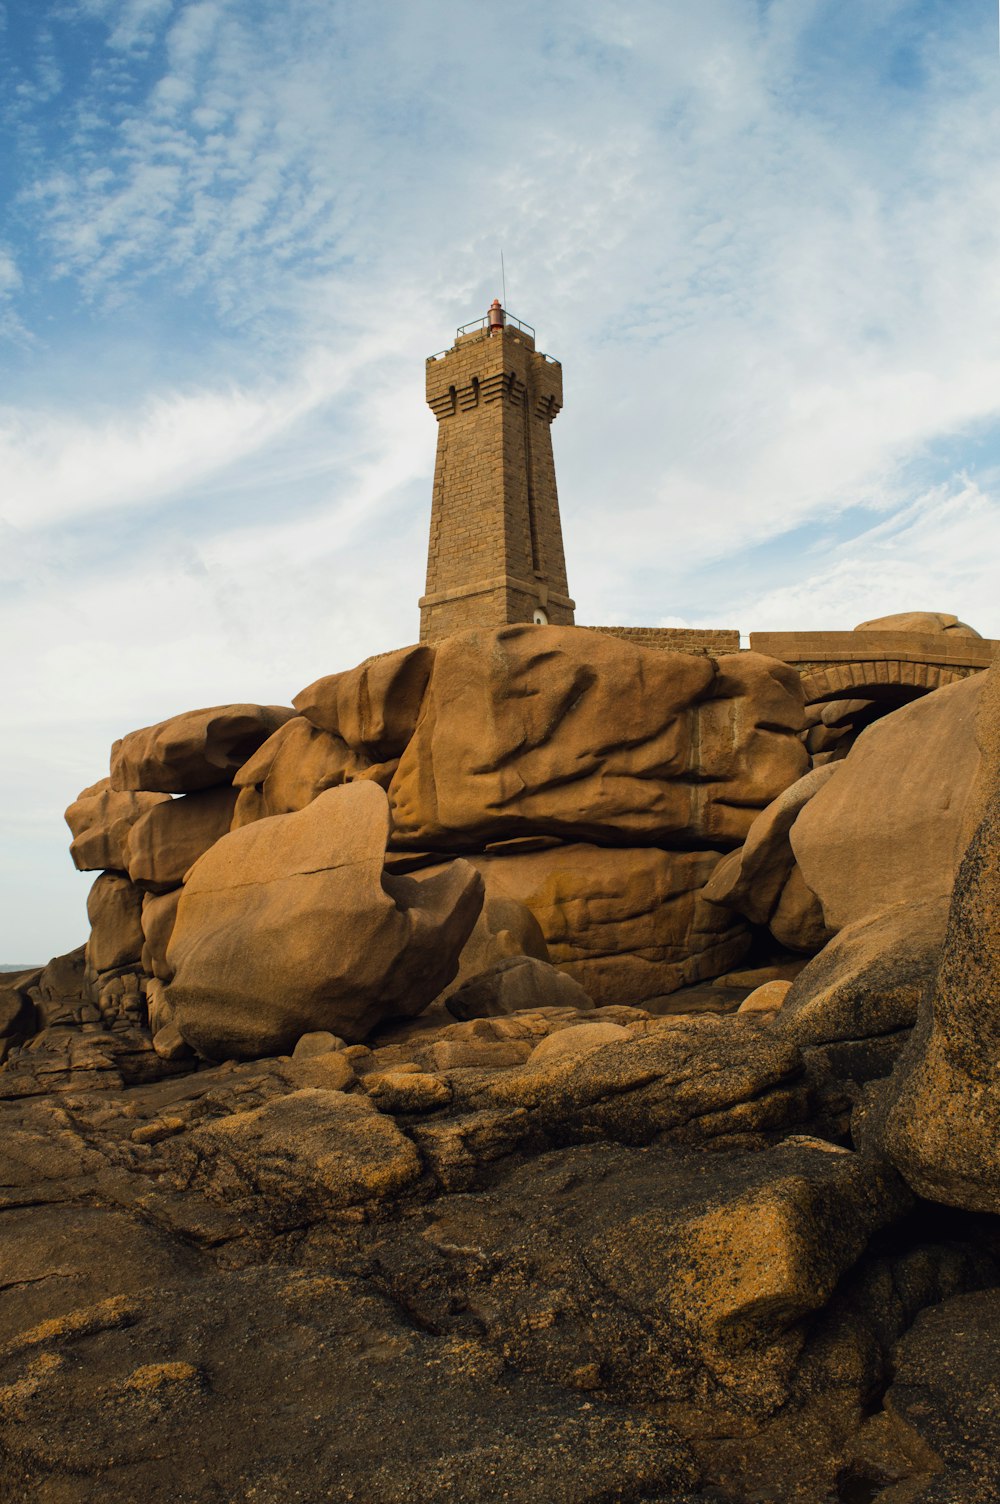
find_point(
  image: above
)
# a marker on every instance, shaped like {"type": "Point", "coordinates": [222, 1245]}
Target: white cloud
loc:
{"type": "Point", "coordinates": [772, 275]}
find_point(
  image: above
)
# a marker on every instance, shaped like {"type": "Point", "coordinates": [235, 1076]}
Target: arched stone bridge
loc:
{"type": "Point", "coordinates": [887, 666]}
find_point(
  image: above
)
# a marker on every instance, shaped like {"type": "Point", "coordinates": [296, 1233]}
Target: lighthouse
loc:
{"type": "Point", "coordinates": [496, 551]}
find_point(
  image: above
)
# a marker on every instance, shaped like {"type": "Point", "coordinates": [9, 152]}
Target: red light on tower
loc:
{"type": "Point", "coordinates": [496, 316]}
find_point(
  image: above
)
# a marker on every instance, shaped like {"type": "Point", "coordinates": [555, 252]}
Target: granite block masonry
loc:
{"type": "Point", "coordinates": [496, 548]}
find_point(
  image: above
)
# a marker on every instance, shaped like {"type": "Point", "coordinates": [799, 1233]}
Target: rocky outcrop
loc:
{"type": "Point", "coordinates": [159, 914]}
{"type": "Point", "coordinates": [293, 767]}
{"type": "Point", "coordinates": [169, 838]}
{"type": "Point", "coordinates": [762, 881]}
{"type": "Point", "coordinates": [626, 924]}
{"type": "Point", "coordinates": [196, 750]}
{"type": "Point", "coordinates": [290, 925]}
{"type": "Point", "coordinates": [923, 622]}
{"type": "Point", "coordinates": [101, 819]}
{"type": "Point", "coordinates": [114, 908]}
{"type": "Point", "coordinates": [507, 1230]}
{"type": "Point", "coordinates": [558, 731]}
{"type": "Point", "coordinates": [888, 828]}
{"type": "Point", "coordinates": [942, 1123]}
{"type": "Point", "coordinates": [373, 708]}
{"type": "Point", "coordinates": [506, 930]}
{"type": "Point", "coordinates": [515, 984]}
{"type": "Point", "coordinates": [870, 979]}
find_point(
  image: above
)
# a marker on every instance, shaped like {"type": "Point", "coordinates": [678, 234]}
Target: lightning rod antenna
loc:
{"type": "Point", "coordinates": [503, 280]}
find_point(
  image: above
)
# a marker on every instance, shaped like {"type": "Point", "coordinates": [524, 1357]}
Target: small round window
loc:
{"type": "Point", "coordinates": [540, 619]}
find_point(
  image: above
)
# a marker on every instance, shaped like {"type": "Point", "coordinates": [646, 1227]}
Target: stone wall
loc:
{"type": "Point", "coordinates": [710, 640]}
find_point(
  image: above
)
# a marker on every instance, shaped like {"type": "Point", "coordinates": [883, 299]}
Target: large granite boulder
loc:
{"type": "Point", "coordinates": [100, 820]}
{"type": "Point", "coordinates": [374, 707]}
{"type": "Point", "coordinates": [626, 924]}
{"type": "Point", "coordinates": [555, 730]}
{"type": "Point", "coordinates": [761, 879]}
{"type": "Point", "coordinates": [159, 914]}
{"type": "Point", "coordinates": [889, 827]}
{"type": "Point", "coordinates": [942, 1126]}
{"type": "Point", "coordinates": [923, 622]}
{"type": "Point", "coordinates": [169, 838]}
{"type": "Point", "coordinates": [290, 926]}
{"type": "Point", "coordinates": [291, 768]}
{"type": "Point", "coordinates": [114, 908]}
{"type": "Point", "coordinates": [195, 750]}
{"type": "Point", "coordinates": [870, 979]}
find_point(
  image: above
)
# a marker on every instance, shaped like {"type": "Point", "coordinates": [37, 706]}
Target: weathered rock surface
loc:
{"type": "Point", "coordinates": [289, 925]}
{"type": "Point", "coordinates": [627, 925]}
{"type": "Point", "coordinates": [513, 985]}
{"type": "Point", "coordinates": [168, 839]}
{"type": "Point", "coordinates": [100, 820]}
{"type": "Point", "coordinates": [114, 908]}
{"type": "Point", "coordinates": [295, 764]}
{"type": "Point", "coordinates": [373, 708]}
{"type": "Point", "coordinates": [941, 1409]}
{"type": "Point", "coordinates": [870, 979]}
{"type": "Point", "coordinates": [888, 827]}
{"type": "Point", "coordinates": [196, 750]}
{"type": "Point", "coordinates": [750, 879]}
{"type": "Point", "coordinates": [918, 621]}
{"type": "Point", "coordinates": [646, 1271]}
{"type": "Point", "coordinates": [563, 732]}
{"type": "Point", "coordinates": [943, 1125]}
{"type": "Point", "coordinates": [505, 930]}
{"type": "Point", "coordinates": [411, 1272]}
{"type": "Point", "coordinates": [18, 1019]}
{"type": "Point", "coordinates": [761, 879]}
{"type": "Point", "coordinates": [159, 915]}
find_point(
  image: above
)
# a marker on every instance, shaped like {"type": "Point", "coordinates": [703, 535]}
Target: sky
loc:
{"type": "Point", "coordinates": [762, 236]}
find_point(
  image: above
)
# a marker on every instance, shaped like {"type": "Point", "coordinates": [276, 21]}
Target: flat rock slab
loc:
{"type": "Point", "coordinates": [945, 1393]}
{"type": "Point", "coordinates": [270, 1384]}
{"type": "Point", "coordinates": [653, 1271]}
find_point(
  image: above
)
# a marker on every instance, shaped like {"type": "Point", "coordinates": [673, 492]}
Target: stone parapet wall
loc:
{"type": "Point", "coordinates": [811, 649]}
{"type": "Point", "coordinates": [714, 641]}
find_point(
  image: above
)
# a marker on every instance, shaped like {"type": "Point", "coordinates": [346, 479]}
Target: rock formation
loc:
{"type": "Point", "coordinates": [408, 1128]}
{"type": "Point", "coordinates": [942, 1125]}
{"type": "Point", "coordinates": [291, 925]}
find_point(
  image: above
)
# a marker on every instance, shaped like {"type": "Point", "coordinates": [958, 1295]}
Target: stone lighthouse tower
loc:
{"type": "Point", "coordinates": [496, 550]}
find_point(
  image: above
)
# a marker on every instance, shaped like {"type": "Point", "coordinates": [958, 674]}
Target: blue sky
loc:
{"type": "Point", "coordinates": [763, 238]}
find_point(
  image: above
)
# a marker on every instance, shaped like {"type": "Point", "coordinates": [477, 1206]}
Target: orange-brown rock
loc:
{"type": "Point", "coordinates": [289, 925]}
{"type": "Point", "coordinates": [159, 913]}
{"type": "Point", "coordinates": [373, 707]}
{"type": "Point", "coordinates": [114, 908]}
{"type": "Point", "coordinates": [761, 880]}
{"type": "Point", "coordinates": [515, 985]}
{"type": "Point", "coordinates": [196, 750]}
{"type": "Point", "coordinates": [561, 731]}
{"type": "Point", "coordinates": [294, 765]}
{"type": "Point", "coordinates": [505, 930]}
{"type": "Point", "coordinates": [797, 922]}
{"type": "Point", "coordinates": [923, 622]}
{"type": "Point", "coordinates": [888, 827]}
{"type": "Point", "coordinates": [627, 924]}
{"type": "Point", "coordinates": [100, 820]}
{"type": "Point", "coordinates": [869, 979]}
{"type": "Point", "coordinates": [750, 880]}
{"type": "Point", "coordinates": [942, 1129]}
{"type": "Point", "coordinates": [170, 838]}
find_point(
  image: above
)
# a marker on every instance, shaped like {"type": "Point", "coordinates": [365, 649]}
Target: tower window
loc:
{"type": "Point", "coordinates": [540, 617]}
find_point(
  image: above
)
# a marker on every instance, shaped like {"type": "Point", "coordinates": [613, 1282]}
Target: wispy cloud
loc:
{"type": "Point", "coordinates": [763, 238]}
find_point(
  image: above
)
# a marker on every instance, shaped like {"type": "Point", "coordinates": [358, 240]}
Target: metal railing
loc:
{"type": "Point", "coordinates": [484, 323]}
